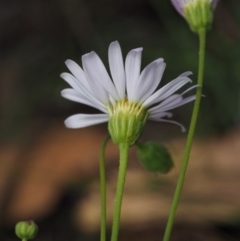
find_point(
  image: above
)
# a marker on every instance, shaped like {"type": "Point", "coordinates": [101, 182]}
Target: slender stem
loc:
{"type": "Point", "coordinates": [124, 150]}
{"type": "Point", "coordinates": [24, 239]}
{"type": "Point", "coordinates": [103, 188]}
{"type": "Point", "coordinates": [202, 40]}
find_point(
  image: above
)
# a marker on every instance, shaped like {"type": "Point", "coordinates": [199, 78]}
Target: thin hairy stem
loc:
{"type": "Point", "coordinates": [202, 40]}
{"type": "Point", "coordinates": [103, 189]}
{"type": "Point", "coordinates": [124, 151]}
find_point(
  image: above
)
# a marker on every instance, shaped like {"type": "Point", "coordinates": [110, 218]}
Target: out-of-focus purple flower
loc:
{"type": "Point", "coordinates": [198, 13]}
{"type": "Point", "coordinates": [180, 4]}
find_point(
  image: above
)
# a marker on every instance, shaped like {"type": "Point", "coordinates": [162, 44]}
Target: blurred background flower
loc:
{"type": "Point", "coordinates": [50, 174]}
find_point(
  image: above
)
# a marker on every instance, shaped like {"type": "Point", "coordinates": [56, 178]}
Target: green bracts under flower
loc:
{"type": "Point", "coordinates": [199, 14]}
{"type": "Point", "coordinates": [126, 122]}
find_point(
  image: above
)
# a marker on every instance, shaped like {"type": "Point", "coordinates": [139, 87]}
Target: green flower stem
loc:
{"type": "Point", "coordinates": [24, 239]}
{"type": "Point", "coordinates": [124, 151]}
{"type": "Point", "coordinates": [103, 188]}
{"type": "Point", "coordinates": [202, 40]}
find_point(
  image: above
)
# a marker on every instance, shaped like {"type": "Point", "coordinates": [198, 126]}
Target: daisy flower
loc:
{"type": "Point", "coordinates": [198, 13]}
{"type": "Point", "coordinates": [127, 99]}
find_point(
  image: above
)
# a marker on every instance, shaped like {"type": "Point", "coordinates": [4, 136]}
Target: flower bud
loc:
{"type": "Point", "coordinates": [154, 157]}
{"type": "Point", "coordinates": [198, 13]}
{"type": "Point", "coordinates": [26, 229]}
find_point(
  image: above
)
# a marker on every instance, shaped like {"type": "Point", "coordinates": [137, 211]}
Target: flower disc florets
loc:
{"type": "Point", "coordinates": [126, 121]}
{"type": "Point", "coordinates": [198, 13]}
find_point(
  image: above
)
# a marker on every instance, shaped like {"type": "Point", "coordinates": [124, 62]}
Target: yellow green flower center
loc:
{"type": "Point", "coordinates": [126, 121]}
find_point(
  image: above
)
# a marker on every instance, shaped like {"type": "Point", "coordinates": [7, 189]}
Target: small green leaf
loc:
{"type": "Point", "coordinates": [155, 157]}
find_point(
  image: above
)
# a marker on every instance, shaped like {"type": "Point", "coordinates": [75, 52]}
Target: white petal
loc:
{"type": "Point", "coordinates": [185, 74]}
{"type": "Point", "coordinates": [96, 72]}
{"type": "Point", "coordinates": [84, 120]}
{"type": "Point", "coordinates": [77, 85]}
{"type": "Point", "coordinates": [145, 77]}
{"type": "Point", "coordinates": [99, 92]}
{"type": "Point", "coordinates": [187, 90]}
{"type": "Point", "coordinates": [159, 115]}
{"type": "Point", "coordinates": [116, 67]}
{"type": "Point", "coordinates": [166, 90]}
{"type": "Point", "coordinates": [132, 69]}
{"type": "Point", "coordinates": [151, 86]}
{"type": "Point", "coordinates": [112, 101]}
{"type": "Point", "coordinates": [183, 102]}
{"type": "Point", "coordinates": [78, 73]}
{"type": "Point", "coordinates": [174, 105]}
{"type": "Point", "coordinates": [73, 95]}
{"type": "Point", "coordinates": [72, 81]}
{"type": "Point", "coordinates": [172, 122]}
{"type": "Point", "coordinates": [83, 92]}
{"type": "Point", "coordinates": [170, 101]}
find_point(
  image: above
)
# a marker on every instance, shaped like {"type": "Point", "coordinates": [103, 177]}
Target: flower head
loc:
{"type": "Point", "coordinates": [198, 13]}
{"type": "Point", "coordinates": [129, 99]}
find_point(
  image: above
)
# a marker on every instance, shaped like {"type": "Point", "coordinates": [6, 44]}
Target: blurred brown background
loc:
{"type": "Point", "coordinates": [50, 174]}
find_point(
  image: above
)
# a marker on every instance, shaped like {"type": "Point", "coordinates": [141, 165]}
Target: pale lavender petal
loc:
{"type": "Point", "coordinates": [146, 78]}
{"type": "Point", "coordinates": [159, 115]}
{"type": "Point", "coordinates": [132, 70]}
{"type": "Point", "coordinates": [97, 73]}
{"type": "Point", "coordinates": [72, 81]}
{"type": "Point", "coordinates": [84, 120]}
{"type": "Point", "coordinates": [170, 101]}
{"type": "Point", "coordinates": [173, 105]}
{"type": "Point", "coordinates": [183, 102]}
{"type": "Point", "coordinates": [172, 122]}
{"type": "Point", "coordinates": [78, 73]}
{"type": "Point", "coordinates": [89, 69]}
{"type": "Point", "coordinates": [116, 67]}
{"type": "Point", "coordinates": [150, 86]}
{"type": "Point", "coordinates": [187, 90]}
{"type": "Point", "coordinates": [73, 95]}
{"type": "Point", "coordinates": [75, 84]}
{"type": "Point", "coordinates": [185, 74]}
{"type": "Point", "coordinates": [166, 91]}
{"type": "Point", "coordinates": [112, 101]}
